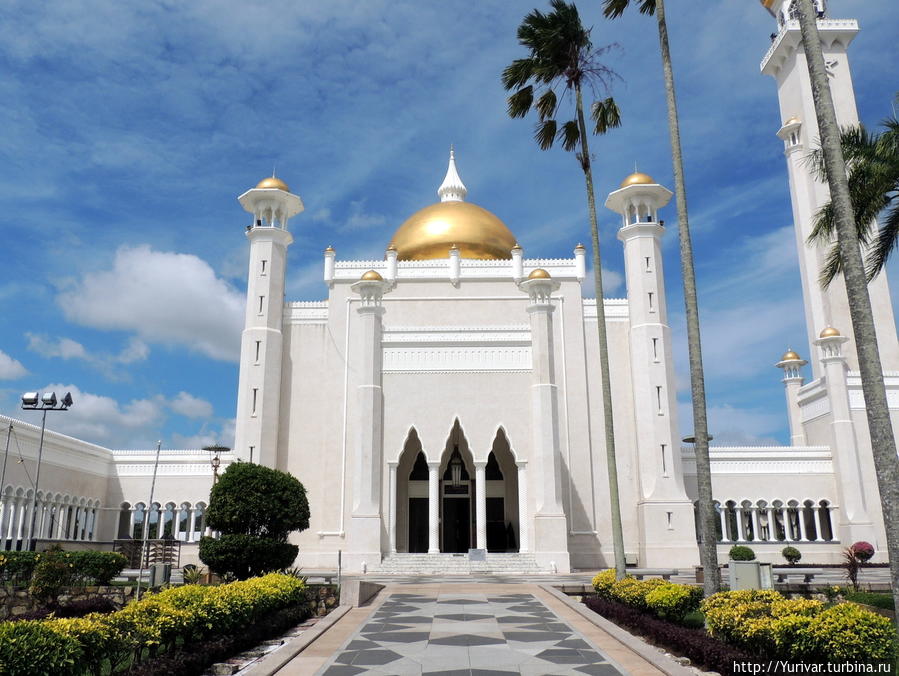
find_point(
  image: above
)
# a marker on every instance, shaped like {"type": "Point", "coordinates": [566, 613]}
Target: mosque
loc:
{"type": "Point", "coordinates": [444, 403]}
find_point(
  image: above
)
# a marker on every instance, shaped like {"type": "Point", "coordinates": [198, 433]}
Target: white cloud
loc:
{"type": "Point", "coordinates": [103, 420]}
{"type": "Point", "coordinates": [612, 283]}
{"type": "Point", "coordinates": [223, 435]}
{"type": "Point", "coordinates": [10, 368]}
{"type": "Point", "coordinates": [65, 348]}
{"type": "Point", "coordinates": [190, 406]}
{"type": "Point", "coordinates": [163, 297]}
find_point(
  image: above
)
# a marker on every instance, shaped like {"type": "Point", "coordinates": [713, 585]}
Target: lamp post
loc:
{"type": "Point", "coordinates": [215, 460]}
{"type": "Point", "coordinates": [34, 401]}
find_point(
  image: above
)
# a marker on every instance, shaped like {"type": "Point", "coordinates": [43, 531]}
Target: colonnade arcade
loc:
{"type": "Point", "coordinates": [57, 516]}
{"type": "Point", "coordinates": [184, 521]}
{"type": "Point", "coordinates": [457, 499]}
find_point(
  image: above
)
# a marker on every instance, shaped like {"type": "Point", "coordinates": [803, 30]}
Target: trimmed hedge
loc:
{"type": "Point", "coordinates": [145, 629]}
{"type": "Point", "coordinates": [741, 553]}
{"type": "Point", "coordinates": [660, 597]}
{"type": "Point", "coordinates": [84, 566]}
{"type": "Point", "coordinates": [696, 644]}
{"type": "Point", "coordinates": [769, 625]}
{"type": "Point", "coordinates": [246, 555]}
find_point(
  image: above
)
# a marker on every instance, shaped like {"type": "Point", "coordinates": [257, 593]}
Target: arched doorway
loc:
{"type": "Point", "coordinates": [456, 488]}
{"type": "Point", "coordinates": [412, 497]}
{"type": "Point", "coordinates": [501, 479]}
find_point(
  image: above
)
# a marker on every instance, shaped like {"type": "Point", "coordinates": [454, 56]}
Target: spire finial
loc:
{"type": "Point", "coordinates": [452, 189]}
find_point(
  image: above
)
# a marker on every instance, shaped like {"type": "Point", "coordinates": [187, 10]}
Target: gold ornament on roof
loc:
{"type": "Point", "coordinates": [638, 178]}
{"type": "Point", "coordinates": [372, 276]}
{"type": "Point", "coordinates": [829, 332]}
{"type": "Point", "coordinates": [789, 355]}
{"type": "Point", "coordinates": [539, 273]}
{"type": "Point", "coordinates": [273, 182]}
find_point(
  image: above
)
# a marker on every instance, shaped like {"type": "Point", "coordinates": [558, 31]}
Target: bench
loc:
{"type": "Point", "coordinates": [664, 573]}
{"type": "Point", "coordinates": [787, 575]}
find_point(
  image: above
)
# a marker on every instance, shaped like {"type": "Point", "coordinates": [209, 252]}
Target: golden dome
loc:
{"type": "Point", "coordinates": [272, 182]}
{"type": "Point", "coordinates": [829, 332]}
{"type": "Point", "coordinates": [793, 120]}
{"type": "Point", "coordinates": [637, 178]}
{"type": "Point", "coordinates": [429, 233]}
{"type": "Point", "coordinates": [580, 247]}
{"type": "Point", "coordinates": [372, 276]}
{"type": "Point", "coordinates": [330, 249]}
{"type": "Point", "coordinates": [538, 273]}
{"type": "Point", "coordinates": [789, 355]}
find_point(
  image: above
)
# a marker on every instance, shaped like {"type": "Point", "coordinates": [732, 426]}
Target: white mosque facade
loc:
{"type": "Point", "coordinates": [446, 396]}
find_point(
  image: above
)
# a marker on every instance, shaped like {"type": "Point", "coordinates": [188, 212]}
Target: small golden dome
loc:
{"type": "Point", "coordinates": [538, 273]}
{"type": "Point", "coordinates": [391, 247]}
{"type": "Point", "coordinates": [793, 120]}
{"type": "Point", "coordinates": [638, 178]}
{"type": "Point", "coordinates": [372, 276]}
{"type": "Point", "coordinates": [580, 247]}
{"type": "Point", "coordinates": [428, 233]}
{"type": "Point", "coordinates": [789, 355]}
{"type": "Point", "coordinates": [517, 247]}
{"type": "Point", "coordinates": [330, 249]}
{"type": "Point", "coordinates": [454, 247]}
{"type": "Point", "coordinates": [272, 182]}
{"type": "Point", "coordinates": [829, 332]}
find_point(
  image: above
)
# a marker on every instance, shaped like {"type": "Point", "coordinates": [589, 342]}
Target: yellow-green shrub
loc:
{"type": "Point", "coordinates": [102, 643]}
{"type": "Point", "coordinates": [673, 601]}
{"type": "Point", "coordinates": [767, 624]}
{"type": "Point", "coordinates": [664, 598]}
{"type": "Point", "coordinates": [32, 647]}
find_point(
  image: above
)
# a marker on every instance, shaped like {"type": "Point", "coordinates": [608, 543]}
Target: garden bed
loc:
{"type": "Point", "coordinates": [692, 643]}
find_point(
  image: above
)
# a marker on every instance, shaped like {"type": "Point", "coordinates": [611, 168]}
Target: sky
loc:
{"type": "Point", "coordinates": [129, 129]}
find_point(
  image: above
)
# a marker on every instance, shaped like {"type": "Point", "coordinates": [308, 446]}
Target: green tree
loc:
{"type": "Point", "coordinates": [708, 519]}
{"type": "Point", "coordinates": [562, 57]}
{"type": "Point", "coordinates": [883, 443]}
{"type": "Point", "coordinates": [872, 160]}
{"type": "Point", "coordinates": [255, 508]}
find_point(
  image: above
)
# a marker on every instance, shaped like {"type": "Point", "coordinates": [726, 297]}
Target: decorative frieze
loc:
{"type": "Point", "coordinates": [781, 460]}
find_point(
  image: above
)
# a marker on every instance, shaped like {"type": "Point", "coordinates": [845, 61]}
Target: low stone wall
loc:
{"type": "Point", "coordinates": [15, 602]}
{"type": "Point", "coordinates": [321, 598]}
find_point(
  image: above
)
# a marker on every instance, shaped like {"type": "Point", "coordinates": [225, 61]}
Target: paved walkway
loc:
{"type": "Point", "coordinates": [466, 629]}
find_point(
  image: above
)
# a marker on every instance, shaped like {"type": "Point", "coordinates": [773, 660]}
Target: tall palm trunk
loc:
{"type": "Point", "coordinates": [615, 505]}
{"type": "Point", "coordinates": [708, 549]}
{"type": "Point", "coordinates": [883, 443]}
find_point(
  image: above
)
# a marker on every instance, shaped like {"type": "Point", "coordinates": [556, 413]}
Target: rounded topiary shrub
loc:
{"type": "Point", "coordinates": [863, 551]}
{"type": "Point", "coordinates": [254, 508]}
{"type": "Point", "coordinates": [791, 554]}
{"type": "Point", "coordinates": [741, 553]}
{"type": "Point", "coordinates": [245, 556]}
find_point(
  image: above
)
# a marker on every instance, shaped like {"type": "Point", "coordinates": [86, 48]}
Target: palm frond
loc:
{"type": "Point", "coordinates": [569, 135]}
{"type": "Point", "coordinates": [833, 266]}
{"type": "Point", "coordinates": [605, 115]}
{"type": "Point", "coordinates": [884, 244]}
{"type": "Point", "coordinates": [612, 9]}
{"type": "Point", "coordinates": [545, 134]}
{"type": "Point", "coordinates": [546, 105]}
{"type": "Point", "coordinates": [518, 73]}
{"type": "Point", "coordinates": [520, 102]}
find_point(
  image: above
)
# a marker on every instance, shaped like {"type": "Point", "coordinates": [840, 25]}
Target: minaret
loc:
{"type": "Point", "coordinates": [792, 364]}
{"type": "Point", "coordinates": [665, 513]}
{"type": "Point", "coordinates": [259, 388]}
{"type": "Point", "coordinates": [785, 61]}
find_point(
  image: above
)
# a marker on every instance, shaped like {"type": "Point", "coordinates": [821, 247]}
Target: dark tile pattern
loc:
{"type": "Point", "coordinates": [467, 634]}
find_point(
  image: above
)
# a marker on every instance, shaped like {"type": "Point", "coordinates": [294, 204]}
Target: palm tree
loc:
{"type": "Point", "coordinates": [873, 163]}
{"type": "Point", "coordinates": [708, 549]}
{"type": "Point", "coordinates": [883, 443]}
{"type": "Point", "coordinates": [562, 56]}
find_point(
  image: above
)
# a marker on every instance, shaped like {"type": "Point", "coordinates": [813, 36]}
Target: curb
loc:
{"type": "Point", "coordinates": [661, 662]}
{"type": "Point", "coordinates": [277, 659]}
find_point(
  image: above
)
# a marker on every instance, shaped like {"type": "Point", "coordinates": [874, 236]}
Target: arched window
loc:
{"type": "Point", "coordinates": [826, 524]}
{"type": "Point", "coordinates": [140, 516]}
{"type": "Point", "coordinates": [122, 532]}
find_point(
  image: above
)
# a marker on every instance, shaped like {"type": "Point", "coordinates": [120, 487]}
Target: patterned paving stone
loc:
{"type": "Point", "coordinates": [467, 634]}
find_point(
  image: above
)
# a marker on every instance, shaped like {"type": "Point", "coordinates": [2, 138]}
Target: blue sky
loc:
{"type": "Point", "coordinates": [130, 128]}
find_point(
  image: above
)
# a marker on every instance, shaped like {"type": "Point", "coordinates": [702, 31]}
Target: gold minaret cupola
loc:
{"type": "Point", "coordinates": [431, 233]}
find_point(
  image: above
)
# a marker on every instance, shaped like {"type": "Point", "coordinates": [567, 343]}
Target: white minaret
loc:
{"type": "Point", "coordinates": [785, 61]}
{"type": "Point", "coordinates": [665, 512]}
{"type": "Point", "coordinates": [259, 388]}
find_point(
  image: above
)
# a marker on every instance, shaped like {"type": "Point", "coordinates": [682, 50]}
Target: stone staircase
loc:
{"type": "Point", "coordinates": [458, 564]}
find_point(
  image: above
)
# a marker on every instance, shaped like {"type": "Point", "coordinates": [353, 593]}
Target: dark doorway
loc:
{"type": "Point", "coordinates": [456, 521]}
{"type": "Point", "coordinates": [418, 525]}
{"type": "Point", "coordinates": [496, 525]}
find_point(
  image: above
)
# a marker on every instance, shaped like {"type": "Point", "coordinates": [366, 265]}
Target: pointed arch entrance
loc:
{"type": "Point", "coordinates": [502, 520]}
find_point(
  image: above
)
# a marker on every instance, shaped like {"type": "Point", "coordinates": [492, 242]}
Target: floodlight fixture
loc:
{"type": "Point", "coordinates": [49, 399]}
{"type": "Point", "coordinates": [692, 439]}
{"type": "Point", "coordinates": [30, 399]}
{"type": "Point", "coordinates": [67, 400]}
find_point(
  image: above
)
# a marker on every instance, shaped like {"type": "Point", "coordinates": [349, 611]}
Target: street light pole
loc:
{"type": "Point", "coordinates": [48, 402]}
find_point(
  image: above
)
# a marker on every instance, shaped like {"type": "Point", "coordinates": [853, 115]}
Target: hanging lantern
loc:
{"type": "Point", "coordinates": [456, 469]}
